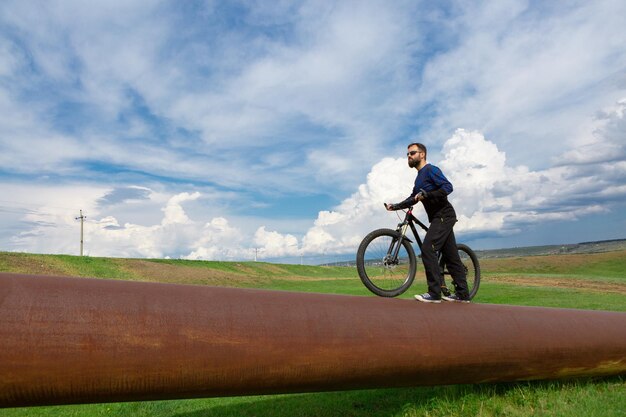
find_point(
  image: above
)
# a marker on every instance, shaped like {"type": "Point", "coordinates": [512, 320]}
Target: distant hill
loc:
{"type": "Point", "coordinates": [573, 248]}
{"type": "Point", "coordinates": [583, 247]}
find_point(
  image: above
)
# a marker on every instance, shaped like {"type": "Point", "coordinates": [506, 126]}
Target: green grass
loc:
{"type": "Point", "coordinates": [259, 269]}
{"type": "Point", "coordinates": [576, 398]}
{"type": "Point", "coordinates": [596, 265]}
{"type": "Point", "coordinates": [63, 265]}
{"type": "Point", "coordinates": [94, 267]}
{"type": "Point", "coordinates": [588, 398]}
{"type": "Point", "coordinates": [116, 268]}
{"type": "Point", "coordinates": [549, 297]}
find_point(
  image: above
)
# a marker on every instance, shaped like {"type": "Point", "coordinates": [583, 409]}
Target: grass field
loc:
{"type": "Point", "coordinates": [589, 281]}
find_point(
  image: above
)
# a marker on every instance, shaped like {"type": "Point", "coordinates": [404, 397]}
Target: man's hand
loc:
{"type": "Point", "coordinates": [421, 195]}
{"type": "Point", "coordinates": [389, 206]}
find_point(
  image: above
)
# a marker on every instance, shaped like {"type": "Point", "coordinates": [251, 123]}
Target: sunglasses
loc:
{"type": "Point", "coordinates": [412, 153]}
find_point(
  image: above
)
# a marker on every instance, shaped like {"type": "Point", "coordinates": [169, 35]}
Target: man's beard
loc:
{"type": "Point", "coordinates": [413, 163]}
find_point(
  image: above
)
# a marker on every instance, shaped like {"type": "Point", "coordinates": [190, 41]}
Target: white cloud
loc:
{"type": "Point", "coordinates": [41, 217]}
{"type": "Point", "coordinates": [526, 73]}
{"type": "Point", "coordinates": [218, 240]}
{"type": "Point", "coordinates": [603, 140]}
{"type": "Point", "coordinates": [491, 197]}
{"type": "Point", "coordinates": [300, 98]}
{"type": "Point", "coordinates": [53, 229]}
{"type": "Point", "coordinates": [174, 213]}
{"type": "Point", "coordinates": [274, 244]}
{"type": "Point", "coordinates": [176, 235]}
{"type": "Point", "coordinates": [8, 58]}
{"type": "Point", "coordinates": [319, 103]}
{"type": "Point", "coordinates": [342, 229]}
{"type": "Point", "coordinates": [289, 98]}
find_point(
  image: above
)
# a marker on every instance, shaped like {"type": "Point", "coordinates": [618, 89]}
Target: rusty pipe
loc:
{"type": "Point", "coordinates": [76, 340]}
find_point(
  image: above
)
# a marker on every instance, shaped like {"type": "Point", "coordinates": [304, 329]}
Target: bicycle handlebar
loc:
{"type": "Point", "coordinates": [419, 197]}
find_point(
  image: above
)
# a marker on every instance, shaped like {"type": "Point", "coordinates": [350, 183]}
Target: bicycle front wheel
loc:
{"type": "Point", "coordinates": [386, 263]}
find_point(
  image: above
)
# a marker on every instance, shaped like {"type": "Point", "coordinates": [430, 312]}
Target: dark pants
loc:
{"type": "Point", "coordinates": [440, 237]}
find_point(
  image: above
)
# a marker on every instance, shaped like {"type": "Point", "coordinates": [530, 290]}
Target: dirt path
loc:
{"type": "Point", "coordinates": [571, 283]}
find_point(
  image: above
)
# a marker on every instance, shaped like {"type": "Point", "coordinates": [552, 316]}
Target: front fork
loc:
{"type": "Point", "coordinates": [394, 249]}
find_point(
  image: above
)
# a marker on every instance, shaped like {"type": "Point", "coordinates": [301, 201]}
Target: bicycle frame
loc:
{"type": "Point", "coordinates": [410, 220]}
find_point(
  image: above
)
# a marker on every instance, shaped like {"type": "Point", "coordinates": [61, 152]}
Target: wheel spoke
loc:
{"type": "Point", "coordinates": [384, 271]}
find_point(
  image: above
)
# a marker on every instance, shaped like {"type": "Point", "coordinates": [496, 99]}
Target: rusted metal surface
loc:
{"type": "Point", "coordinates": [69, 340]}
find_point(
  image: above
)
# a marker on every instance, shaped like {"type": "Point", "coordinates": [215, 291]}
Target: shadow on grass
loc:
{"type": "Point", "coordinates": [381, 402]}
{"type": "Point", "coordinates": [441, 400]}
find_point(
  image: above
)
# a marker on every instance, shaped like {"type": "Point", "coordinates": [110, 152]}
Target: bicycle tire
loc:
{"type": "Point", "coordinates": [472, 269]}
{"type": "Point", "coordinates": [380, 275]}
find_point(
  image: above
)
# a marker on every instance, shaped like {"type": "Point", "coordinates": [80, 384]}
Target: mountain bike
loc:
{"type": "Point", "coordinates": [387, 264]}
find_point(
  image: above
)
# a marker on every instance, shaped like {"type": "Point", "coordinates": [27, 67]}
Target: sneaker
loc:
{"type": "Point", "coordinates": [455, 298]}
{"type": "Point", "coordinates": [427, 298]}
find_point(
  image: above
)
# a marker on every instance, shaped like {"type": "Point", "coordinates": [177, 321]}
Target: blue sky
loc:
{"type": "Point", "coordinates": [207, 129]}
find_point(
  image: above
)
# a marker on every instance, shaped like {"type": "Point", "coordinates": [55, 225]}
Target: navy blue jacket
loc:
{"type": "Point", "coordinates": [435, 187]}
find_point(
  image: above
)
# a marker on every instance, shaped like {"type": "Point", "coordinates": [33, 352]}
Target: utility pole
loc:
{"type": "Point", "coordinates": [82, 220]}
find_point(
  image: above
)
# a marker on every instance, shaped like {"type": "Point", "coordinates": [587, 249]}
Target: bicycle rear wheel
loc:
{"type": "Point", "coordinates": [380, 271]}
{"type": "Point", "coordinates": [471, 267]}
